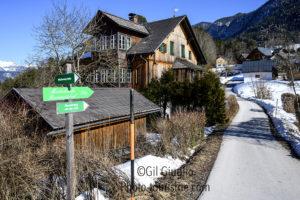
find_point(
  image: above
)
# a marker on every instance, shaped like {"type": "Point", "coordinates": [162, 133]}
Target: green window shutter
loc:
{"type": "Point", "coordinates": [172, 48]}
{"type": "Point", "coordinates": [182, 51]}
{"type": "Point", "coordinates": [163, 48]}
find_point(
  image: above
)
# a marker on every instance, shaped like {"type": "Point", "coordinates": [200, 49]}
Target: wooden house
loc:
{"type": "Point", "coordinates": [104, 125]}
{"type": "Point", "coordinates": [260, 53]}
{"type": "Point", "coordinates": [144, 50]}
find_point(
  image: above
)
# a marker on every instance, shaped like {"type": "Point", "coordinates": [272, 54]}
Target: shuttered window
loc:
{"type": "Point", "coordinates": [190, 55]}
{"type": "Point", "coordinates": [163, 48]}
{"type": "Point", "coordinates": [172, 48]}
{"type": "Point", "coordinates": [183, 51]}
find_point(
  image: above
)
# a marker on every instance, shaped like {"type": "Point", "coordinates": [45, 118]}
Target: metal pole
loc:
{"type": "Point", "coordinates": [132, 140]}
{"type": "Point", "coordinates": [70, 149]}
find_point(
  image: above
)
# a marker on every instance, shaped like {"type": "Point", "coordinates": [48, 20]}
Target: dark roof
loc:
{"type": "Point", "coordinates": [258, 66]}
{"type": "Point", "coordinates": [159, 30]}
{"type": "Point", "coordinates": [127, 24]}
{"type": "Point", "coordinates": [184, 64]}
{"type": "Point", "coordinates": [106, 105]}
{"type": "Point", "coordinates": [265, 51]}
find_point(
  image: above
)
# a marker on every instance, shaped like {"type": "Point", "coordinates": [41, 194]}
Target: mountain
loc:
{"type": "Point", "coordinates": [273, 19]}
{"type": "Point", "coordinates": [9, 69]}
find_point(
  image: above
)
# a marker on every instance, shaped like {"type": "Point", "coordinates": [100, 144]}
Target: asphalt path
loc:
{"type": "Point", "coordinates": [252, 164]}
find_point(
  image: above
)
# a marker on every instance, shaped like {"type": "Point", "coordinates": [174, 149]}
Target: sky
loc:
{"type": "Point", "coordinates": [19, 17]}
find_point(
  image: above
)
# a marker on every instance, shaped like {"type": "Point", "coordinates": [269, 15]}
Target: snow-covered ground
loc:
{"type": "Point", "coordinates": [284, 122]}
{"type": "Point", "coordinates": [149, 168]}
{"type": "Point", "coordinates": [224, 80]}
{"type": "Point", "coordinates": [96, 194]}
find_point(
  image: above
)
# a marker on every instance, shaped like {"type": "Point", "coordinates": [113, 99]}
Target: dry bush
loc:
{"type": "Point", "coordinates": [33, 167]}
{"type": "Point", "coordinates": [232, 106]}
{"type": "Point", "coordinates": [288, 102]}
{"type": "Point", "coordinates": [182, 132]}
{"type": "Point", "coordinates": [261, 90]}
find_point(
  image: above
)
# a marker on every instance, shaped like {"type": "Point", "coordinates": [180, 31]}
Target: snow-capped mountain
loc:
{"type": "Point", "coordinates": [275, 16]}
{"type": "Point", "coordinates": [9, 69]}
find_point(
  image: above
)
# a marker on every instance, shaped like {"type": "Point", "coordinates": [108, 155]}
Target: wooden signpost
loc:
{"type": "Point", "coordinates": [68, 108]}
{"type": "Point", "coordinates": [132, 140]}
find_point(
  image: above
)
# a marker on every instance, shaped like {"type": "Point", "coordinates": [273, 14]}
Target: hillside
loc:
{"type": "Point", "coordinates": [275, 20]}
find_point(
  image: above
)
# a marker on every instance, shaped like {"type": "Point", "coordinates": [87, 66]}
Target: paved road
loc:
{"type": "Point", "coordinates": [251, 164]}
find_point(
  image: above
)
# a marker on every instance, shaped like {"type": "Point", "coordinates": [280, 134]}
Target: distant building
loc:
{"type": "Point", "coordinates": [258, 70]}
{"type": "Point", "coordinates": [221, 64]}
{"type": "Point", "coordinates": [242, 58]}
{"type": "Point", "coordinates": [260, 53]}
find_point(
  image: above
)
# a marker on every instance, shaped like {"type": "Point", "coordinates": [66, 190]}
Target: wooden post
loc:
{"type": "Point", "coordinates": [276, 107]}
{"type": "Point", "coordinates": [132, 140]}
{"type": "Point", "coordinates": [70, 149]}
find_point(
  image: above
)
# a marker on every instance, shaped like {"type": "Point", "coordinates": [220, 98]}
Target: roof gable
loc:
{"type": "Point", "coordinates": [121, 22]}
{"type": "Point", "coordinates": [106, 104]}
{"type": "Point", "coordinates": [160, 30]}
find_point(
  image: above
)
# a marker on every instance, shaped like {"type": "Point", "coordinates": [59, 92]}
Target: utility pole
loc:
{"type": "Point", "coordinates": [132, 140]}
{"type": "Point", "coordinates": [70, 148]}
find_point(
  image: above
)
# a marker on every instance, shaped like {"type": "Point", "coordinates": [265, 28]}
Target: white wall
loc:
{"type": "Point", "coordinates": [249, 77]}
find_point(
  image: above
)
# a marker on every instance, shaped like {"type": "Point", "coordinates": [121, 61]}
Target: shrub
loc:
{"type": "Point", "coordinates": [261, 91]}
{"type": "Point", "coordinates": [35, 168]}
{"type": "Point", "coordinates": [232, 106]}
{"type": "Point", "coordinates": [205, 93]}
{"type": "Point", "coordinates": [182, 132]}
{"type": "Point", "coordinates": [288, 102]}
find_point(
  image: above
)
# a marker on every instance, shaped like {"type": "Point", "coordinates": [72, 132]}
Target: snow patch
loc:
{"type": "Point", "coordinates": [149, 168]}
{"type": "Point", "coordinates": [95, 193]}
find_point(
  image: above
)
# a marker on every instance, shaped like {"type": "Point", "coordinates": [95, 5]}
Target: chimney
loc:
{"type": "Point", "coordinates": [138, 19]}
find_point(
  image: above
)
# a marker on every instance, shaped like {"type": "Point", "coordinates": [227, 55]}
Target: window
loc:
{"type": "Point", "coordinates": [182, 51]}
{"type": "Point", "coordinates": [163, 48]}
{"type": "Point", "coordinates": [128, 42]}
{"type": "Point", "coordinates": [172, 48]}
{"type": "Point", "coordinates": [112, 41]}
{"type": "Point", "coordinates": [124, 42]}
{"type": "Point", "coordinates": [190, 55]}
{"type": "Point", "coordinates": [257, 76]}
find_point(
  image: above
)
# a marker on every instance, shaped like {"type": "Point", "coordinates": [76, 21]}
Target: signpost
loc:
{"type": "Point", "coordinates": [71, 107]}
{"type": "Point", "coordinates": [70, 78]}
{"type": "Point", "coordinates": [132, 140]}
{"type": "Point", "coordinates": [63, 93]}
{"type": "Point", "coordinates": [68, 108]}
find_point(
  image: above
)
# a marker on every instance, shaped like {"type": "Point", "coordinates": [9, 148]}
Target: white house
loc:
{"type": "Point", "coordinates": [258, 70]}
{"type": "Point", "coordinates": [221, 64]}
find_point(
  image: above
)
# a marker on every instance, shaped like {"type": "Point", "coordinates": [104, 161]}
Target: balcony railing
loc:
{"type": "Point", "coordinates": [106, 42]}
{"type": "Point", "coordinates": [113, 76]}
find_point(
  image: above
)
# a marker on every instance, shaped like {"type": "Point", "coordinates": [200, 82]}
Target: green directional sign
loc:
{"type": "Point", "coordinates": [63, 93]}
{"type": "Point", "coordinates": [69, 78]}
{"type": "Point", "coordinates": [71, 107]}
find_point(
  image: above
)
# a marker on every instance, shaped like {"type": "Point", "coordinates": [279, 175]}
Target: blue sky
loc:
{"type": "Point", "coordinates": [18, 17]}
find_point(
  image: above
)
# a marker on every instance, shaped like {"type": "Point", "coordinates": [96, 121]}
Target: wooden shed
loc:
{"type": "Point", "coordinates": [104, 125]}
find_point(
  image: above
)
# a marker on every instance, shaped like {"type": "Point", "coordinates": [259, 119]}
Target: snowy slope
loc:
{"type": "Point", "coordinates": [9, 69]}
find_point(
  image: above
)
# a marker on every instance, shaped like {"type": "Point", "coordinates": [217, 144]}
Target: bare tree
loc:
{"type": "Point", "coordinates": [61, 34]}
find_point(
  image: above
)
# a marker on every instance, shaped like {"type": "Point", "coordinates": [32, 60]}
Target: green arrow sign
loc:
{"type": "Point", "coordinates": [66, 78]}
{"type": "Point", "coordinates": [71, 107]}
{"type": "Point", "coordinates": [63, 93]}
